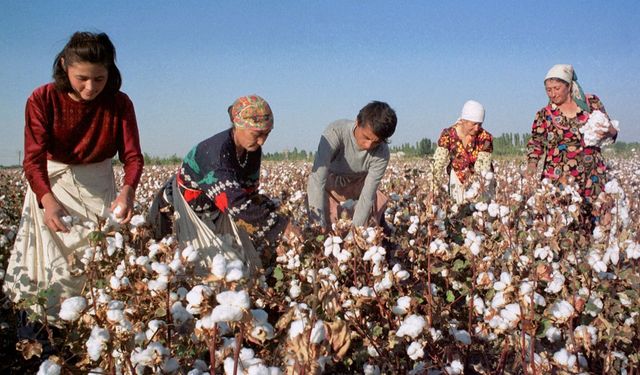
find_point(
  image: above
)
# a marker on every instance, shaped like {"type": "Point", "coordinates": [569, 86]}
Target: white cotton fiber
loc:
{"type": "Point", "coordinates": [598, 122]}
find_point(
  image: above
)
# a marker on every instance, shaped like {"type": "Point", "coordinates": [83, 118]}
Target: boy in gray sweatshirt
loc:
{"type": "Point", "coordinates": [349, 164]}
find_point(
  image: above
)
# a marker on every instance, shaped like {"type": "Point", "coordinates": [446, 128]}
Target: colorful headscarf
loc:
{"type": "Point", "coordinates": [251, 112]}
{"type": "Point", "coordinates": [566, 73]}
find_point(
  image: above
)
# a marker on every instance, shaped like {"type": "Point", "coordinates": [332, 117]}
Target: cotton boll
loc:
{"type": "Point", "coordinates": [367, 292]}
{"type": "Point", "coordinates": [588, 335]}
{"type": "Point", "coordinates": [612, 254]}
{"type": "Point", "coordinates": [385, 284]}
{"type": "Point", "coordinates": [296, 328]}
{"type": "Point", "coordinates": [494, 209]}
{"type": "Point", "coordinates": [137, 220]}
{"type": "Point", "coordinates": [234, 274]}
{"type": "Point", "coordinates": [219, 266]}
{"type": "Point", "coordinates": [239, 299]}
{"type": "Point", "coordinates": [562, 311]}
{"type": "Point", "coordinates": [478, 305]}
{"type": "Point", "coordinates": [97, 342]}
{"type": "Point", "coordinates": [498, 300]}
{"type": "Point", "coordinates": [318, 333]}
{"type": "Point", "coordinates": [49, 367]}
{"type": "Point", "coordinates": [455, 368]}
{"type": "Point", "coordinates": [71, 308]}
{"type": "Point", "coordinates": [295, 289]}
{"type": "Point", "coordinates": [511, 313]}
{"type": "Point", "coordinates": [161, 268]}
{"type": "Point", "coordinates": [461, 335]}
{"type": "Point", "coordinates": [154, 326]}
{"type": "Point", "coordinates": [369, 369]}
{"type": "Point", "coordinates": [180, 313]}
{"type": "Point", "coordinates": [481, 206]}
{"type": "Point", "coordinates": [190, 254]}
{"type": "Point", "coordinates": [170, 365]}
{"type": "Point", "coordinates": [402, 305]}
{"type": "Point", "coordinates": [227, 313]}
{"type": "Point", "coordinates": [505, 281]}
{"type": "Point", "coordinates": [553, 334]}
{"type": "Point", "coordinates": [198, 293]}
{"type": "Point", "coordinates": [157, 285]}
{"type": "Point", "coordinates": [412, 326]}
{"type": "Point", "coordinates": [632, 249]}
{"type": "Point", "coordinates": [415, 351]}
{"type": "Point", "coordinates": [331, 245]}
{"type": "Point", "coordinates": [556, 283]}
{"type": "Point", "coordinates": [115, 313]}
{"type": "Point", "coordinates": [565, 359]}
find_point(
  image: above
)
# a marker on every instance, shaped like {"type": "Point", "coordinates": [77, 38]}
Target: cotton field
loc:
{"type": "Point", "coordinates": [504, 283]}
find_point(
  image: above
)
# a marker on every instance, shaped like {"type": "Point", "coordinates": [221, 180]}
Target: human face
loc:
{"type": "Point", "coordinates": [366, 139]}
{"type": "Point", "coordinates": [87, 80]}
{"type": "Point", "coordinates": [470, 127]}
{"type": "Point", "coordinates": [558, 91]}
{"type": "Point", "coordinates": [250, 139]}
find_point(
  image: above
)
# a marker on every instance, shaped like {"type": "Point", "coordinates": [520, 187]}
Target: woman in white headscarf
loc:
{"type": "Point", "coordinates": [567, 135]}
{"type": "Point", "coordinates": [463, 149]}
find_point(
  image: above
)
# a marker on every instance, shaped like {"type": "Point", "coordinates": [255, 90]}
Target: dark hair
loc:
{"type": "Point", "coordinates": [90, 48]}
{"type": "Point", "coordinates": [381, 117]}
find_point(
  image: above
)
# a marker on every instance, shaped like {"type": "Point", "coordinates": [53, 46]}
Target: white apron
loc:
{"type": "Point", "coordinates": [210, 239]}
{"type": "Point", "coordinates": [40, 258]}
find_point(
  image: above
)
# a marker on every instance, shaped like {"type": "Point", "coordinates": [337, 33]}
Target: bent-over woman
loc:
{"type": "Point", "coordinates": [215, 192]}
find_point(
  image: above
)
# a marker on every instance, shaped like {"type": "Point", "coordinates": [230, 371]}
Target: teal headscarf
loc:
{"type": "Point", "coordinates": [566, 73]}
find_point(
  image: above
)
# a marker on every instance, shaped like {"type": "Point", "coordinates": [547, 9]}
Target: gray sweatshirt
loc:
{"type": "Point", "coordinates": [338, 154]}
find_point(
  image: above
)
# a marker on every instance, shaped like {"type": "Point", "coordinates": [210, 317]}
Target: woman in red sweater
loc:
{"type": "Point", "coordinates": [74, 126]}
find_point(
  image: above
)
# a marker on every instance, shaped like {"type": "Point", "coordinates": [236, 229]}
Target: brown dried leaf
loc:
{"type": "Point", "coordinates": [29, 348]}
{"type": "Point", "coordinates": [339, 337]}
{"type": "Point", "coordinates": [284, 320]}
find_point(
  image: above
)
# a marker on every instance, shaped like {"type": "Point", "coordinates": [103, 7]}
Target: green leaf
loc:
{"type": "Point", "coordinates": [450, 296]}
{"type": "Point", "coordinates": [459, 264]}
{"type": "Point", "coordinates": [96, 236]}
{"type": "Point", "coordinates": [160, 312]}
{"type": "Point", "coordinates": [542, 329]}
{"type": "Point", "coordinates": [278, 274]}
{"type": "Point", "coordinates": [377, 331]}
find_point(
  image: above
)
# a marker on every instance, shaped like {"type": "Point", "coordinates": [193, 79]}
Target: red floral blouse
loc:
{"type": "Point", "coordinates": [462, 159]}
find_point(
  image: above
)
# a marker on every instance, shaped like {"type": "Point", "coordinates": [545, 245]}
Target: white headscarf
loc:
{"type": "Point", "coordinates": [472, 111]}
{"type": "Point", "coordinates": [566, 73]}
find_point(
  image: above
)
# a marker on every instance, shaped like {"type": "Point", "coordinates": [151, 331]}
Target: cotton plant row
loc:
{"type": "Point", "coordinates": [150, 310]}
{"type": "Point", "coordinates": [12, 188]}
{"type": "Point", "coordinates": [500, 282]}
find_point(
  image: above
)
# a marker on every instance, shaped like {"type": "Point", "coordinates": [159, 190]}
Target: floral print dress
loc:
{"type": "Point", "coordinates": [462, 159]}
{"type": "Point", "coordinates": [557, 139]}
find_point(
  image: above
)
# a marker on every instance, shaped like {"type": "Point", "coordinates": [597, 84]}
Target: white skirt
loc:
{"type": "Point", "coordinates": [210, 238]}
{"type": "Point", "coordinates": [41, 259]}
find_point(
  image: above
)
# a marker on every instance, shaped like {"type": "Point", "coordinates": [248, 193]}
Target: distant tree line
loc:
{"type": "Point", "coordinates": [293, 155]}
{"type": "Point", "coordinates": [507, 144]}
{"type": "Point", "coordinates": [167, 160]}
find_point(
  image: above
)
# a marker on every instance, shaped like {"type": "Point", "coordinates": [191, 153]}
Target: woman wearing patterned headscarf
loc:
{"type": "Point", "coordinates": [216, 189]}
{"type": "Point", "coordinates": [565, 139]}
{"type": "Point", "coordinates": [463, 149]}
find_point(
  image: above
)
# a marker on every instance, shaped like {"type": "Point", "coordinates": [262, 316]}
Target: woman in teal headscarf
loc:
{"type": "Point", "coordinates": [562, 136]}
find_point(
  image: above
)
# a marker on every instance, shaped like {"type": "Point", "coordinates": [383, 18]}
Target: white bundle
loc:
{"type": "Point", "coordinates": [598, 122]}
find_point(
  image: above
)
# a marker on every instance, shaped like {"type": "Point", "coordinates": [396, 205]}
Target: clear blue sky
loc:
{"type": "Point", "coordinates": [184, 62]}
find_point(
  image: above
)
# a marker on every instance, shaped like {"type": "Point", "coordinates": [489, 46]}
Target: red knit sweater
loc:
{"type": "Point", "coordinates": [61, 129]}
